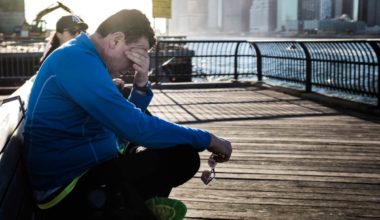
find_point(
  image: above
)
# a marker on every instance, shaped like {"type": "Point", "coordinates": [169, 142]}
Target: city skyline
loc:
{"type": "Point", "coordinates": [218, 17]}
{"type": "Point", "coordinates": [270, 16]}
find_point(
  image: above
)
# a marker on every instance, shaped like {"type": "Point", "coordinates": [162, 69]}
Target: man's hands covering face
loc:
{"type": "Point", "coordinates": [140, 59]}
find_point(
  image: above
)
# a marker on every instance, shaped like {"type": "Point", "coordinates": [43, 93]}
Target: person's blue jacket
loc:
{"type": "Point", "coordinates": [75, 114]}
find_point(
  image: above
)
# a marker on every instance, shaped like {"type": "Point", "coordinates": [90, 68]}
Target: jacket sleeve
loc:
{"type": "Point", "coordinates": [141, 101]}
{"type": "Point", "coordinates": [89, 85]}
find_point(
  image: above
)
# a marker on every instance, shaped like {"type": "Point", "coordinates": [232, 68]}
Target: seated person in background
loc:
{"type": "Point", "coordinates": [67, 28]}
{"type": "Point", "coordinates": [76, 116]}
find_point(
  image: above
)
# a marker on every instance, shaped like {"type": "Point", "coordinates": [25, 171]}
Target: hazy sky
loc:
{"type": "Point", "coordinates": [91, 11]}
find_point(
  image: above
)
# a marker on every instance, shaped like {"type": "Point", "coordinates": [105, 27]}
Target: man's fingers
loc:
{"type": "Point", "coordinates": [223, 154]}
{"type": "Point", "coordinates": [139, 69]}
{"type": "Point", "coordinates": [220, 158]}
{"type": "Point", "coordinates": [138, 54]}
{"type": "Point", "coordinates": [221, 148]}
{"type": "Point", "coordinates": [136, 58]}
{"type": "Point", "coordinates": [141, 62]}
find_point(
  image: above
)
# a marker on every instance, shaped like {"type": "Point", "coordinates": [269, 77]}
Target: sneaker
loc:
{"type": "Point", "coordinates": [167, 209]}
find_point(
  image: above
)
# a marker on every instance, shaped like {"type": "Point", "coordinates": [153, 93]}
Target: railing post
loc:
{"type": "Point", "coordinates": [259, 64]}
{"type": "Point", "coordinates": [156, 70]}
{"type": "Point", "coordinates": [308, 67]}
{"type": "Point", "coordinates": [236, 75]}
{"type": "Point", "coordinates": [376, 48]}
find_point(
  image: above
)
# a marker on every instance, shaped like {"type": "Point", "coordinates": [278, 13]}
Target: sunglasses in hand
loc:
{"type": "Point", "coordinates": [209, 175]}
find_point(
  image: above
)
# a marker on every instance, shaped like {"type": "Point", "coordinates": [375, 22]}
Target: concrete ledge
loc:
{"type": "Point", "coordinates": [201, 85]}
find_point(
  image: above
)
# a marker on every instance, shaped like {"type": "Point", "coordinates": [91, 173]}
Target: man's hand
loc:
{"type": "Point", "coordinates": [119, 83]}
{"type": "Point", "coordinates": [140, 59]}
{"type": "Point", "coordinates": [221, 148]}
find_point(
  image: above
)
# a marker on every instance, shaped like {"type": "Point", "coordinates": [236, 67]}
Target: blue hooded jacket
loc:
{"type": "Point", "coordinates": [75, 114]}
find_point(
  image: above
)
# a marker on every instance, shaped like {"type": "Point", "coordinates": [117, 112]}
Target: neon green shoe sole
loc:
{"type": "Point", "coordinates": [167, 209]}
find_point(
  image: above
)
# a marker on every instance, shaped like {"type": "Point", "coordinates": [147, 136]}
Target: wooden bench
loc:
{"type": "Point", "coordinates": [16, 200]}
{"type": "Point", "coordinates": [15, 194]}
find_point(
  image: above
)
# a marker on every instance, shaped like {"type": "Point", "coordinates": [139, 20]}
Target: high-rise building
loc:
{"type": "Point", "coordinates": [309, 10]}
{"type": "Point", "coordinates": [215, 16]}
{"type": "Point", "coordinates": [346, 7]}
{"type": "Point", "coordinates": [12, 15]}
{"type": "Point", "coordinates": [235, 15]}
{"type": "Point", "coordinates": [326, 9]}
{"type": "Point", "coordinates": [241, 16]}
{"type": "Point", "coordinates": [287, 11]}
{"type": "Point", "coordinates": [263, 15]}
{"type": "Point", "coordinates": [209, 16]}
{"type": "Point", "coordinates": [188, 17]}
{"type": "Point", "coordinates": [12, 5]}
{"type": "Point", "coordinates": [369, 12]}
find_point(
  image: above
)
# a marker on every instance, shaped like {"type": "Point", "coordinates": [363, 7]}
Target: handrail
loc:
{"type": "Point", "coordinates": [350, 65]}
{"type": "Point", "coordinates": [343, 65]}
{"type": "Point", "coordinates": [236, 75]}
{"type": "Point", "coordinates": [376, 48]}
{"type": "Point", "coordinates": [308, 67]}
{"type": "Point", "coordinates": [259, 62]}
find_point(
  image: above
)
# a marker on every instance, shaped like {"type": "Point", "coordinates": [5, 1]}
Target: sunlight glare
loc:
{"type": "Point", "coordinates": [93, 12]}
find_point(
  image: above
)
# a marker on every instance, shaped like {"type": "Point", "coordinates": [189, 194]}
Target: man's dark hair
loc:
{"type": "Point", "coordinates": [132, 23]}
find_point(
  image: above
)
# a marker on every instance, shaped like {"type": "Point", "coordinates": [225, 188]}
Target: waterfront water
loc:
{"type": "Point", "coordinates": [342, 67]}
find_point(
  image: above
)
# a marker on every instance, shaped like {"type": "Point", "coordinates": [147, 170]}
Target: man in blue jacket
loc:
{"type": "Point", "coordinates": [76, 118]}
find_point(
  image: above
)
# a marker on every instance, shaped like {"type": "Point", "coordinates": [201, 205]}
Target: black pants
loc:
{"type": "Point", "coordinates": [118, 188]}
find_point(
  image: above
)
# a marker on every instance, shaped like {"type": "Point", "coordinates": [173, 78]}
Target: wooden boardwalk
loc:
{"type": "Point", "coordinates": [292, 158]}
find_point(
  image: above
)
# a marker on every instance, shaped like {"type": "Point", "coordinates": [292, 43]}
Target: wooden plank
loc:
{"type": "Point", "coordinates": [276, 198]}
{"type": "Point", "coordinates": [217, 210]}
{"type": "Point", "coordinates": [292, 159]}
{"type": "Point", "coordinates": [286, 186]}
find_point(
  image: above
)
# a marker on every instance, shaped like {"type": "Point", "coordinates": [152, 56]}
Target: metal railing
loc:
{"type": "Point", "coordinates": [204, 60]}
{"type": "Point", "coordinates": [19, 60]}
{"type": "Point", "coordinates": [349, 66]}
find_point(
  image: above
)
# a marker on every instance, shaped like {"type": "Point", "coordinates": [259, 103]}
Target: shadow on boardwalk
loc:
{"type": "Point", "coordinates": [292, 159]}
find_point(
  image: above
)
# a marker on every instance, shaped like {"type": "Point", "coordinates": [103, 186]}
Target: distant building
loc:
{"type": "Point", "coordinates": [347, 7]}
{"type": "Point", "coordinates": [12, 15]}
{"type": "Point", "coordinates": [263, 16]}
{"type": "Point", "coordinates": [209, 17]}
{"type": "Point", "coordinates": [236, 16]}
{"type": "Point", "coordinates": [328, 16]}
{"type": "Point", "coordinates": [188, 17]}
{"type": "Point", "coordinates": [333, 26]}
{"type": "Point", "coordinates": [287, 14]}
{"type": "Point", "coordinates": [309, 9]}
{"type": "Point", "coordinates": [326, 9]}
{"type": "Point", "coordinates": [369, 12]}
{"type": "Point", "coordinates": [202, 17]}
